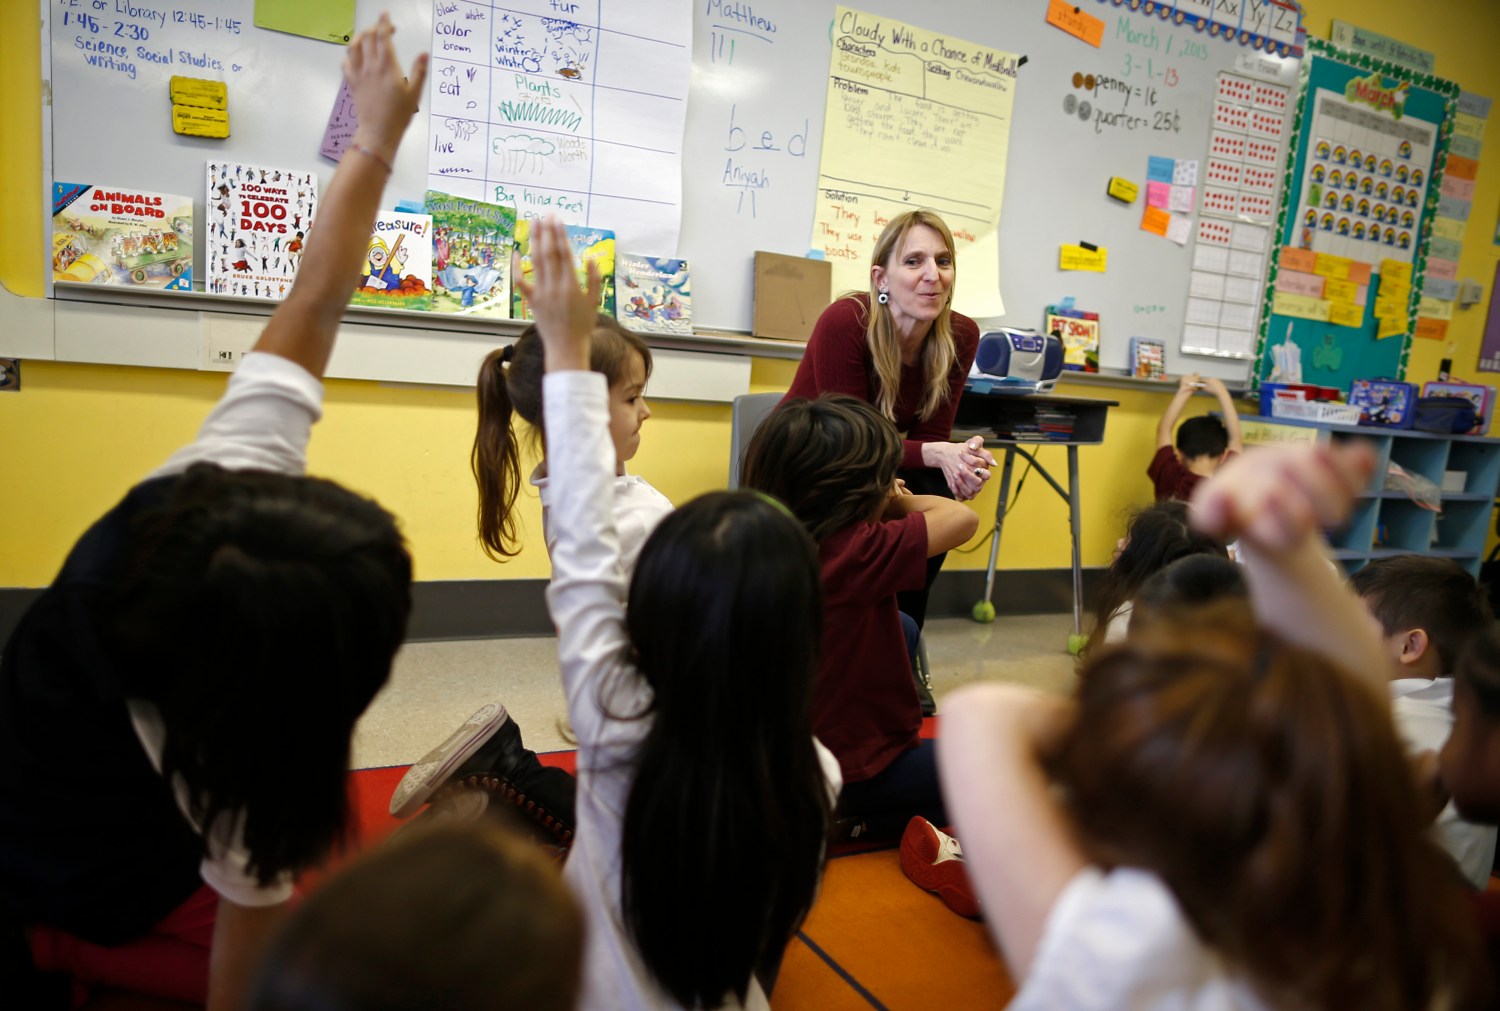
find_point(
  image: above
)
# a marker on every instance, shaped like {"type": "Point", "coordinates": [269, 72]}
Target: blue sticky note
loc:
{"type": "Point", "coordinates": [815, 254]}
{"type": "Point", "coordinates": [1066, 305]}
{"type": "Point", "coordinates": [1159, 170]}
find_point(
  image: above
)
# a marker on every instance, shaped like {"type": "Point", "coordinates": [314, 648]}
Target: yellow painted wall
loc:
{"type": "Point", "coordinates": [79, 435]}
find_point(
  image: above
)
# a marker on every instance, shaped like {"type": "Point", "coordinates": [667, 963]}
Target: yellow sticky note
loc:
{"type": "Point", "coordinates": [1391, 307]}
{"type": "Point", "coordinates": [1345, 314]}
{"type": "Point", "coordinates": [1464, 125]}
{"type": "Point", "coordinates": [1067, 16]}
{"type": "Point", "coordinates": [1434, 308]}
{"type": "Point", "coordinates": [1448, 228]}
{"type": "Point", "coordinates": [1071, 257]}
{"type": "Point", "coordinates": [1430, 329]}
{"type": "Point", "coordinates": [1123, 189]}
{"type": "Point", "coordinates": [1394, 272]}
{"type": "Point", "coordinates": [1155, 221]}
{"type": "Point", "coordinates": [1340, 291]}
{"type": "Point", "coordinates": [1390, 327]}
{"type": "Point", "coordinates": [195, 122]}
{"type": "Point", "coordinates": [1336, 267]}
{"type": "Point", "coordinates": [200, 93]}
{"type": "Point", "coordinates": [1300, 306]}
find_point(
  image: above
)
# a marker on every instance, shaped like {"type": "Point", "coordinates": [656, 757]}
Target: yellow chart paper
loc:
{"type": "Point", "coordinates": [1300, 306]}
{"type": "Point", "coordinates": [914, 119]}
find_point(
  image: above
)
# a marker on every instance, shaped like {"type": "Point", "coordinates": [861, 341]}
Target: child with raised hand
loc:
{"type": "Point", "coordinates": [1202, 444]}
{"type": "Point", "coordinates": [486, 754]}
{"type": "Point", "coordinates": [1223, 817]}
{"type": "Point", "coordinates": [176, 708]}
{"type": "Point", "coordinates": [458, 917]}
{"type": "Point", "coordinates": [703, 798]}
{"type": "Point", "coordinates": [833, 462]}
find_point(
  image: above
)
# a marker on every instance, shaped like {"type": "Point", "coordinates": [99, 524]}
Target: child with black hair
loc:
{"type": "Point", "coordinates": [833, 462]}
{"type": "Point", "coordinates": [456, 917]}
{"type": "Point", "coordinates": [176, 708]}
{"type": "Point", "coordinates": [1430, 610]}
{"type": "Point", "coordinates": [703, 797]}
{"type": "Point", "coordinates": [1156, 536]}
{"type": "Point", "coordinates": [485, 756]}
{"type": "Point", "coordinates": [1203, 444]}
{"type": "Point", "coordinates": [1223, 816]}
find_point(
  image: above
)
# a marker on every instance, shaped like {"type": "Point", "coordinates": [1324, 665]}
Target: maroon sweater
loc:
{"type": "Point", "coordinates": [837, 360]}
{"type": "Point", "coordinates": [865, 707]}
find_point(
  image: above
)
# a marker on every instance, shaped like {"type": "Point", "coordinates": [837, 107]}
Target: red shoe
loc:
{"type": "Point", "coordinates": [934, 862]}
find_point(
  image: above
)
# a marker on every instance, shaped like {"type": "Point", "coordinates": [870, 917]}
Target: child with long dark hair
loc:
{"type": "Point", "coordinates": [486, 753]}
{"type": "Point", "coordinates": [833, 462]}
{"type": "Point", "coordinates": [176, 708]}
{"type": "Point", "coordinates": [703, 798]}
{"type": "Point", "coordinates": [1224, 816]}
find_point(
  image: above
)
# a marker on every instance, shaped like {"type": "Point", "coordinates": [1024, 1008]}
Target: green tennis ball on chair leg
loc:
{"type": "Point", "coordinates": [984, 612]}
{"type": "Point", "coordinates": [1075, 642]}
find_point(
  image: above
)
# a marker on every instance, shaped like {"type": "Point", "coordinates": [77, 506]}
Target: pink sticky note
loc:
{"type": "Point", "coordinates": [1445, 270]}
{"type": "Point", "coordinates": [1295, 282]}
{"type": "Point", "coordinates": [1158, 195]}
{"type": "Point", "coordinates": [342, 123]}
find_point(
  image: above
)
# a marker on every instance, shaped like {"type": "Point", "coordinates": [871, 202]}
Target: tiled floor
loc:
{"type": "Point", "coordinates": [436, 685]}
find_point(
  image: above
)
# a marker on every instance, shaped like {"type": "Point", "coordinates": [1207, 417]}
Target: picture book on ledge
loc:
{"type": "Point", "coordinates": [114, 235]}
{"type": "Point", "coordinates": [1079, 332]}
{"type": "Point", "coordinates": [471, 246]}
{"type": "Point", "coordinates": [653, 295]}
{"type": "Point", "coordinates": [596, 244]}
{"type": "Point", "coordinates": [1148, 358]}
{"type": "Point", "coordinates": [258, 220]}
{"type": "Point", "coordinates": [398, 263]}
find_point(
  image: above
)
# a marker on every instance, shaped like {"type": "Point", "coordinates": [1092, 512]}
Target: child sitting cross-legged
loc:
{"type": "Point", "coordinates": [833, 462]}
{"type": "Point", "coordinates": [485, 756]}
{"type": "Point", "coordinates": [1224, 816]}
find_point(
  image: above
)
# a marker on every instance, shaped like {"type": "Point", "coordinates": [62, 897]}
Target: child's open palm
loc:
{"type": "Point", "coordinates": [564, 312]}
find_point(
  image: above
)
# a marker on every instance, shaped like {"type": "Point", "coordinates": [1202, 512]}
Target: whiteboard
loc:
{"type": "Point", "coordinates": [755, 112]}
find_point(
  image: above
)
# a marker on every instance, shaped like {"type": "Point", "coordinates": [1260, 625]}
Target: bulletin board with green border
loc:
{"type": "Point", "coordinates": [1335, 355]}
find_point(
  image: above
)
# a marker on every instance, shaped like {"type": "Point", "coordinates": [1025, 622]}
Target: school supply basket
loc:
{"type": "Point", "coordinates": [1316, 410]}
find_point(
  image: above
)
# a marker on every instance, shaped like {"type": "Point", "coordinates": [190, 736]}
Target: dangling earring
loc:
{"type": "Point", "coordinates": [884, 298]}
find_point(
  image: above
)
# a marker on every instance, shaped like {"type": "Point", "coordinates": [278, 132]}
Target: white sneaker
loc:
{"type": "Point", "coordinates": [435, 767]}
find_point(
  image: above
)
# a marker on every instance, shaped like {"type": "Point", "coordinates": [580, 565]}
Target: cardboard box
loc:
{"type": "Point", "coordinates": [791, 292]}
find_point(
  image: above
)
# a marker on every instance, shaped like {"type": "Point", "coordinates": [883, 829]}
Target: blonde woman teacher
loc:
{"type": "Point", "coordinates": [902, 348]}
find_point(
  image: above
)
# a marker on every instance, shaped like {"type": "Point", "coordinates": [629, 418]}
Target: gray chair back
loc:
{"type": "Point", "coordinates": [749, 410]}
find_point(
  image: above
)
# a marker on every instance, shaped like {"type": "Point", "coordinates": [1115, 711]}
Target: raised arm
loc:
{"type": "Point", "coordinates": [1168, 422]}
{"type": "Point", "coordinates": [1019, 845]}
{"type": "Point", "coordinates": [1276, 500]}
{"type": "Point", "coordinates": [304, 326]}
{"type": "Point", "coordinates": [1226, 407]}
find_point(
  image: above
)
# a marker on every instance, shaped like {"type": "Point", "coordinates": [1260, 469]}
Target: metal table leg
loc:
{"type": "Point", "coordinates": [984, 611]}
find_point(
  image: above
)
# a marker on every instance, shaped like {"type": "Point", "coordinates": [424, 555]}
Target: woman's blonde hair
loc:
{"type": "Point", "coordinates": [939, 350]}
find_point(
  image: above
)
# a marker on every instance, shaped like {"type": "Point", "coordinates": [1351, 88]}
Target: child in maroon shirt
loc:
{"type": "Point", "coordinates": [1204, 444]}
{"type": "Point", "coordinates": [833, 462]}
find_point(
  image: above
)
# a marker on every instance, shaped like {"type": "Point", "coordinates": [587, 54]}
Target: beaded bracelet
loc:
{"type": "Point", "coordinates": [371, 154]}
